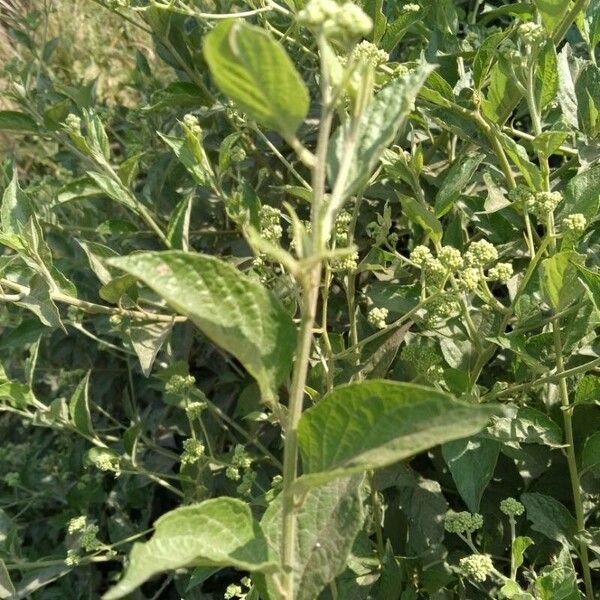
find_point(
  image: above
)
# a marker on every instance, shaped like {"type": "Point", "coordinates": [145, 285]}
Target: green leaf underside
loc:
{"type": "Point", "coordinates": [378, 127]}
{"type": "Point", "coordinates": [236, 313]}
{"type": "Point", "coordinates": [221, 532]}
{"type": "Point", "coordinates": [258, 75]}
{"type": "Point", "coordinates": [328, 521]}
{"type": "Point", "coordinates": [373, 424]}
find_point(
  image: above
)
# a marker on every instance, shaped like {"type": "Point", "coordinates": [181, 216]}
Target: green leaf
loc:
{"type": "Point", "coordinates": [558, 581]}
{"type": "Point", "coordinates": [550, 517]}
{"type": "Point", "coordinates": [485, 57]}
{"type": "Point", "coordinates": [234, 311]}
{"type": "Point", "coordinates": [39, 302]}
{"type": "Point", "coordinates": [7, 589]}
{"type": "Point", "coordinates": [518, 155]}
{"type": "Point", "coordinates": [185, 153]}
{"type": "Point", "coordinates": [329, 519]}
{"type": "Point", "coordinates": [16, 209]}
{"type": "Point", "coordinates": [582, 194]}
{"type": "Point", "coordinates": [377, 128]}
{"type": "Point", "coordinates": [258, 75]}
{"type": "Point", "coordinates": [147, 339]}
{"type": "Point", "coordinates": [398, 28]}
{"type": "Point", "coordinates": [552, 12]}
{"type": "Point", "coordinates": [588, 105]}
{"type": "Point", "coordinates": [502, 95]}
{"type": "Point", "coordinates": [471, 462]}
{"type": "Point", "coordinates": [79, 408]}
{"type": "Point", "coordinates": [590, 457]}
{"type": "Point", "coordinates": [423, 217]}
{"type": "Point", "coordinates": [547, 142]}
{"type": "Point", "coordinates": [117, 287]}
{"type": "Point", "coordinates": [178, 232]}
{"type": "Point", "coordinates": [588, 390]}
{"type": "Point", "coordinates": [455, 181]}
{"type": "Point", "coordinates": [591, 281]}
{"type": "Point", "coordinates": [519, 545]}
{"type": "Point", "coordinates": [114, 189]}
{"type": "Point", "coordinates": [11, 120]}
{"type": "Point", "coordinates": [216, 532]}
{"type": "Point", "coordinates": [558, 277]}
{"type": "Point", "coordinates": [376, 423]}
{"type": "Point", "coordinates": [546, 74]}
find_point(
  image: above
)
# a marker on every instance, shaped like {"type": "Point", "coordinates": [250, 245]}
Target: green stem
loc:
{"type": "Point", "coordinates": [571, 459]}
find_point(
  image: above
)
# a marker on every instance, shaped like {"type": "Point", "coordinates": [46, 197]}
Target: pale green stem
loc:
{"type": "Point", "coordinates": [571, 459]}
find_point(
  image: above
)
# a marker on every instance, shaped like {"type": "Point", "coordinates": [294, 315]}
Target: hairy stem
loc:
{"type": "Point", "coordinates": [571, 460]}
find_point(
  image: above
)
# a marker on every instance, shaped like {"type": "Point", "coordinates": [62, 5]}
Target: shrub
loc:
{"type": "Point", "coordinates": [301, 300]}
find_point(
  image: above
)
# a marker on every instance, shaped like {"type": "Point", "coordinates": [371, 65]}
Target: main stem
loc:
{"type": "Point", "coordinates": [310, 282]}
{"type": "Point", "coordinates": [571, 460]}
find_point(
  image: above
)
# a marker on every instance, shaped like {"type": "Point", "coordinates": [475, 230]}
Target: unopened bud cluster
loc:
{"type": "Point", "coordinates": [476, 567]}
{"type": "Point", "coordinates": [511, 507]}
{"type": "Point", "coordinates": [180, 385]}
{"type": "Point", "coordinates": [337, 20]}
{"type": "Point", "coordinates": [370, 54]}
{"type": "Point", "coordinates": [270, 226]}
{"type": "Point", "coordinates": [377, 317]}
{"type": "Point", "coordinates": [575, 223]}
{"type": "Point", "coordinates": [462, 522]}
{"type": "Point", "coordinates": [239, 460]}
{"type": "Point", "coordinates": [193, 451]}
{"type": "Point", "coordinates": [531, 33]}
{"type": "Point", "coordinates": [191, 122]}
{"type": "Point", "coordinates": [480, 253]}
{"type": "Point", "coordinates": [542, 204]}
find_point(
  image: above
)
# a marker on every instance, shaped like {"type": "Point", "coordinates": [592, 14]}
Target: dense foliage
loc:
{"type": "Point", "coordinates": [300, 299]}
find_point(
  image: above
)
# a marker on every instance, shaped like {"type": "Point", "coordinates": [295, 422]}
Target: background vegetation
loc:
{"type": "Point", "coordinates": [465, 259]}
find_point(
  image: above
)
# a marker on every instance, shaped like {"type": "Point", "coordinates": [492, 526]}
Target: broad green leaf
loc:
{"type": "Point", "coordinates": [117, 287]}
{"type": "Point", "coordinates": [398, 28]}
{"type": "Point", "coordinates": [511, 590]}
{"type": "Point", "coordinates": [85, 187]}
{"type": "Point", "coordinates": [7, 588]}
{"type": "Point", "coordinates": [588, 103]}
{"type": "Point", "coordinates": [16, 209]}
{"type": "Point", "coordinates": [114, 190]}
{"type": "Point", "coordinates": [221, 532]}
{"type": "Point", "coordinates": [502, 95]}
{"type": "Point", "coordinates": [455, 181]}
{"type": "Point", "coordinates": [373, 8]}
{"type": "Point", "coordinates": [519, 545]}
{"type": "Point", "coordinates": [376, 423]}
{"type": "Point", "coordinates": [234, 311]}
{"type": "Point", "coordinates": [79, 407]}
{"type": "Point", "coordinates": [39, 302]}
{"type": "Point", "coordinates": [178, 232]}
{"type": "Point", "coordinates": [199, 171]}
{"type": "Point", "coordinates": [558, 581]}
{"type": "Point", "coordinates": [389, 585]}
{"type": "Point", "coordinates": [147, 339]}
{"type": "Point", "coordinates": [11, 120]}
{"type": "Point", "coordinates": [588, 390]}
{"type": "Point", "coordinates": [590, 457]}
{"type": "Point", "coordinates": [16, 394]}
{"type": "Point", "coordinates": [567, 75]}
{"type": "Point", "coordinates": [518, 155]}
{"type": "Point", "coordinates": [377, 128]}
{"type": "Point", "coordinates": [558, 278]}
{"type": "Point", "coordinates": [550, 517]}
{"type": "Point", "coordinates": [485, 57]}
{"type": "Point", "coordinates": [471, 462]}
{"type": "Point", "coordinates": [178, 93]}
{"type": "Point", "coordinates": [591, 281]}
{"type": "Point", "coordinates": [552, 11]}
{"type": "Point", "coordinates": [582, 194]}
{"type": "Point", "coordinates": [548, 141]}
{"type": "Point", "coordinates": [329, 519]}
{"type": "Point", "coordinates": [423, 217]}
{"type": "Point", "coordinates": [258, 75]}
{"type": "Point", "coordinates": [546, 75]}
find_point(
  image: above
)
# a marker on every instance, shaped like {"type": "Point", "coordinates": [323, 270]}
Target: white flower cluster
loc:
{"type": "Point", "coordinates": [377, 317]}
{"type": "Point", "coordinates": [270, 227]}
{"type": "Point", "coordinates": [476, 567]}
{"type": "Point", "coordinates": [370, 54]}
{"type": "Point", "coordinates": [531, 33]}
{"type": "Point", "coordinates": [480, 253]}
{"type": "Point", "coordinates": [344, 20]}
{"type": "Point", "coordinates": [191, 122]}
{"type": "Point", "coordinates": [511, 507]}
{"type": "Point", "coordinates": [73, 122]}
{"type": "Point", "coordinates": [575, 223]}
{"type": "Point", "coordinates": [542, 204]}
{"type": "Point", "coordinates": [502, 272]}
{"type": "Point", "coordinates": [193, 451]}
